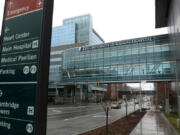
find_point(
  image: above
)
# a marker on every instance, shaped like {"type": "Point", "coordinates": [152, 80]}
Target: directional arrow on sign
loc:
{"type": "Point", "coordinates": [1, 93]}
{"type": "Point", "coordinates": [10, 4]}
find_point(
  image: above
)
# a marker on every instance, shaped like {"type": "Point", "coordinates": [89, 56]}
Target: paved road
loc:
{"type": "Point", "coordinates": [79, 119]}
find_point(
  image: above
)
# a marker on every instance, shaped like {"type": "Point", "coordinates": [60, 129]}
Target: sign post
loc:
{"type": "Point", "coordinates": [24, 66]}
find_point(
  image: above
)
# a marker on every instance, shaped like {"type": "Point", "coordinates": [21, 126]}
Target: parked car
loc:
{"type": "Point", "coordinates": [115, 106]}
{"type": "Point", "coordinates": [120, 102]}
{"type": "Point", "coordinates": [136, 102]}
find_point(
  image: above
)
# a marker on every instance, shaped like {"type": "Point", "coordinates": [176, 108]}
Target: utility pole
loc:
{"type": "Point", "coordinates": [117, 91]}
{"type": "Point", "coordinates": [140, 94]}
{"type": "Point", "coordinates": [106, 106]}
{"type": "Point", "coordinates": [107, 113]}
{"type": "Point", "coordinates": [74, 94]}
{"type": "Point", "coordinates": [134, 103]}
{"type": "Point", "coordinates": [126, 108]}
{"type": "Point", "coordinates": [166, 98]}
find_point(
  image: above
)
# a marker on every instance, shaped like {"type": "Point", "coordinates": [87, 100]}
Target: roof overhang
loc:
{"type": "Point", "coordinates": [162, 11]}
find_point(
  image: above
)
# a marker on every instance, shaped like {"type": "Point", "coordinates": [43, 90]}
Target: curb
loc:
{"type": "Point", "coordinates": [132, 132]}
{"type": "Point", "coordinates": [172, 129]}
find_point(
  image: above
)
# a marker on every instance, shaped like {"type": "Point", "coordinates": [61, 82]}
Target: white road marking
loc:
{"type": "Point", "coordinates": [69, 112]}
{"type": "Point", "coordinates": [56, 111]}
{"type": "Point", "coordinates": [51, 108]}
{"type": "Point", "coordinates": [82, 116]}
{"type": "Point", "coordinates": [66, 107]}
{"type": "Point", "coordinates": [101, 116]}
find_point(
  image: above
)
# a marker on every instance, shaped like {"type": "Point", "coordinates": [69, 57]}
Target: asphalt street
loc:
{"type": "Point", "coordinates": [73, 120]}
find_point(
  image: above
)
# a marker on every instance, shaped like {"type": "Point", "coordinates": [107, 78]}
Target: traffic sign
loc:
{"type": "Point", "coordinates": [24, 66]}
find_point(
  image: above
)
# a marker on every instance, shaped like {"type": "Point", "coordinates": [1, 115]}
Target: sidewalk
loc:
{"type": "Point", "coordinates": [153, 124]}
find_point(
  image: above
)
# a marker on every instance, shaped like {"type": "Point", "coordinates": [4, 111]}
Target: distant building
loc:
{"type": "Point", "coordinates": [75, 32]}
{"type": "Point", "coordinates": [146, 58]}
{"type": "Point", "coordinates": [63, 35]}
{"type": "Point", "coordinates": [84, 29]}
{"type": "Point", "coordinates": [133, 60]}
{"type": "Point", "coordinates": [167, 13]}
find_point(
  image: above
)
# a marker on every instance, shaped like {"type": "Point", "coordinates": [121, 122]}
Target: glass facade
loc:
{"type": "Point", "coordinates": [54, 74]}
{"type": "Point", "coordinates": [84, 29]}
{"type": "Point", "coordinates": [74, 30]}
{"type": "Point", "coordinates": [95, 38]}
{"type": "Point", "coordinates": [138, 59]}
{"type": "Point", "coordinates": [63, 35]}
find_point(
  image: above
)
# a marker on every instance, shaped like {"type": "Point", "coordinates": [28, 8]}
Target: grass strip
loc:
{"type": "Point", "coordinates": [172, 118]}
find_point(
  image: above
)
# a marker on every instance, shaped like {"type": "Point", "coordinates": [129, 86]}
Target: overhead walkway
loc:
{"type": "Point", "coordinates": [148, 58]}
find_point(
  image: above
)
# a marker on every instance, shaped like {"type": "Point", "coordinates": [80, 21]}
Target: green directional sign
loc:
{"type": "Point", "coordinates": [14, 113]}
{"type": "Point", "coordinates": [24, 63]}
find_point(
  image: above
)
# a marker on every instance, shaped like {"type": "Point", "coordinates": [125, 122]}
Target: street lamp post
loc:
{"type": "Point", "coordinates": [166, 99]}
{"type": "Point", "coordinates": [140, 94]}
{"type": "Point", "coordinates": [140, 97]}
{"type": "Point", "coordinates": [126, 108]}
{"type": "Point", "coordinates": [117, 92]}
{"type": "Point", "coordinates": [74, 94]}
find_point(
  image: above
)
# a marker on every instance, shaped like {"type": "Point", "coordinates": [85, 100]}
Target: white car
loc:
{"type": "Point", "coordinates": [115, 106]}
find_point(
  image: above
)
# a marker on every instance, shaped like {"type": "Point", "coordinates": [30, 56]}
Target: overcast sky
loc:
{"type": "Point", "coordinates": [113, 19]}
{"type": "Point", "coordinates": [1, 12]}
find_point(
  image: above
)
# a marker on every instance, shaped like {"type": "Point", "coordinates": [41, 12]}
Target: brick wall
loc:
{"type": "Point", "coordinates": [163, 91]}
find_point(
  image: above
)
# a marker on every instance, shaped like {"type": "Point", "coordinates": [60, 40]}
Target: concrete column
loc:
{"type": "Point", "coordinates": [65, 95]}
{"type": "Point", "coordinates": [81, 94]}
{"type": "Point", "coordinates": [86, 94]}
{"type": "Point", "coordinates": [74, 95]}
{"type": "Point", "coordinates": [167, 106]}
{"type": "Point", "coordinates": [108, 93]}
{"type": "Point", "coordinates": [162, 93]}
{"type": "Point", "coordinates": [156, 95]}
{"type": "Point", "coordinates": [167, 109]}
{"type": "Point", "coordinates": [95, 96]}
{"type": "Point", "coordinates": [65, 91]}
